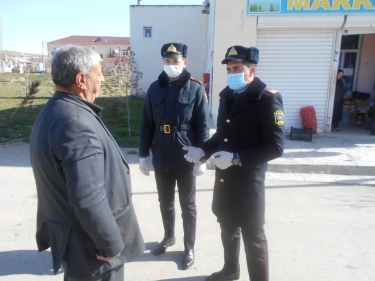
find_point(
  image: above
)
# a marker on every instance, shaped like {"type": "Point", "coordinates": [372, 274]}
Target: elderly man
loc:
{"type": "Point", "coordinates": [85, 210]}
{"type": "Point", "coordinates": [249, 133]}
{"type": "Point", "coordinates": [175, 115]}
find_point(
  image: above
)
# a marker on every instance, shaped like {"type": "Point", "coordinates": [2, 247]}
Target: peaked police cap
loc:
{"type": "Point", "coordinates": [174, 50]}
{"type": "Point", "coordinates": [241, 53]}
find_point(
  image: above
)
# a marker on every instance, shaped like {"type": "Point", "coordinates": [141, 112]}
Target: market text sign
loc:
{"type": "Point", "coordinates": [311, 7]}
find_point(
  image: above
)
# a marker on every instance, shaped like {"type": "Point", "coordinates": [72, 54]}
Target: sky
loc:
{"type": "Point", "coordinates": [25, 24]}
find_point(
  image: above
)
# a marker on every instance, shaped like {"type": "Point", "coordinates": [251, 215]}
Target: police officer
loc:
{"type": "Point", "coordinates": [249, 133]}
{"type": "Point", "coordinates": [175, 115]}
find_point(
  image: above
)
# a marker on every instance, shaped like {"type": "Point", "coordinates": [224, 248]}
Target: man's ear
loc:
{"type": "Point", "coordinates": [185, 62]}
{"type": "Point", "coordinates": [81, 80]}
{"type": "Point", "coordinates": [252, 70]}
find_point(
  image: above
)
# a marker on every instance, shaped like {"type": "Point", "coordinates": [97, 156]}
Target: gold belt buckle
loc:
{"type": "Point", "coordinates": [167, 129]}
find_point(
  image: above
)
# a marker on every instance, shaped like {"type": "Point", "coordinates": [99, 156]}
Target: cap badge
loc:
{"type": "Point", "coordinates": [172, 49]}
{"type": "Point", "coordinates": [233, 52]}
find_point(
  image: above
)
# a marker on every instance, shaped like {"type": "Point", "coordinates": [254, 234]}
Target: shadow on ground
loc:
{"type": "Point", "coordinates": [26, 262]}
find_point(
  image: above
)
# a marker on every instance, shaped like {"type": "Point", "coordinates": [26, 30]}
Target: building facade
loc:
{"type": "Point", "coordinates": [109, 48]}
{"type": "Point", "coordinates": [153, 26]}
{"type": "Point", "coordinates": [302, 45]}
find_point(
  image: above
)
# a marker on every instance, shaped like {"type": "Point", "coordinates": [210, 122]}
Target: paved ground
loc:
{"type": "Point", "coordinates": [319, 226]}
{"type": "Point", "coordinates": [349, 152]}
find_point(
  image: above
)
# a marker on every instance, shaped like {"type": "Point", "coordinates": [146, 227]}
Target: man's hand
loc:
{"type": "Point", "coordinates": [199, 168]}
{"type": "Point", "coordinates": [223, 159]}
{"type": "Point", "coordinates": [99, 257]}
{"type": "Point", "coordinates": [194, 154]}
{"type": "Point", "coordinates": [143, 166]}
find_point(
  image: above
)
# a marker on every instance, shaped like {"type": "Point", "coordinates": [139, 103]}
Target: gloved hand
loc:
{"type": "Point", "coordinates": [199, 168]}
{"type": "Point", "coordinates": [143, 166]}
{"type": "Point", "coordinates": [223, 159]}
{"type": "Point", "coordinates": [194, 154]}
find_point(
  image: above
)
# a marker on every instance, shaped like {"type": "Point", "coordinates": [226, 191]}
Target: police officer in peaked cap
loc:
{"type": "Point", "coordinates": [250, 132]}
{"type": "Point", "coordinates": [175, 115]}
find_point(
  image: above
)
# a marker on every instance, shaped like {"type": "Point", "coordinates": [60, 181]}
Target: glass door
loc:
{"type": "Point", "coordinates": [349, 59]}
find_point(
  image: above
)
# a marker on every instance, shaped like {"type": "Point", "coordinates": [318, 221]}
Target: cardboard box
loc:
{"type": "Point", "coordinates": [362, 102]}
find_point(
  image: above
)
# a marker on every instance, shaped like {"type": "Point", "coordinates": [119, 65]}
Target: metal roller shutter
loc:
{"type": "Point", "coordinates": [298, 64]}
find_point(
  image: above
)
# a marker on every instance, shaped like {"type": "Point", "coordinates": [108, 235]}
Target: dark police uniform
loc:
{"type": "Point", "coordinates": [175, 115]}
{"type": "Point", "coordinates": [250, 125]}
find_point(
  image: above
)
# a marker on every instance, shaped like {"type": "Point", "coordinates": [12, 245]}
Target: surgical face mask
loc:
{"type": "Point", "coordinates": [172, 70]}
{"type": "Point", "coordinates": [236, 81]}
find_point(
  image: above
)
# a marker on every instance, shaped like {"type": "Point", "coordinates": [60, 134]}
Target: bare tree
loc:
{"type": "Point", "coordinates": [128, 78]}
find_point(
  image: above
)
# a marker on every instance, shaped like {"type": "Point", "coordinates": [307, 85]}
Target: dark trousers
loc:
{"type": "Point", "coordinates": [256, 250]}
{"type": "Point", "coordinates": [115, 274]}
{"type": "Point", "coordinates": [165, 183]}
{"type": "Point", "coordinates": [337, 114]}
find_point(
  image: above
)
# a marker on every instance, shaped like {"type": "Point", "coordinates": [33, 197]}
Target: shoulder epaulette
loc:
{"type": "Point", "coordinates": [193, 79]}
{"type": "Point", "coordinates": [271, 91]}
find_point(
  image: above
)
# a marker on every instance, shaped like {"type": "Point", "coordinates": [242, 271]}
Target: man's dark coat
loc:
{"type": "Point", "coordinates": [252, 126]}
{"type": "Point", "coordinates": [84, 191]}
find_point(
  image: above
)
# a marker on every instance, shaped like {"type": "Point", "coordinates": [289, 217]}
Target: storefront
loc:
{"type": "Point", "coordinates": [302, 45]}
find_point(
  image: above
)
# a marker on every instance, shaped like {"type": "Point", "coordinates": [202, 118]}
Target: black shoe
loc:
{"type": "Point", "coordinates": [222, 276]}
{"type": "Point", "coordinates": [162, 246]}
{"type": "Point", "coordinates": [188, 259]}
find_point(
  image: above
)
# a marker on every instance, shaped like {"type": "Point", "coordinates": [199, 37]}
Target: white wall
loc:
{"type": "Point", "coordinates": [232, 27]}
{"type": "Point", "coordinates": [180, 24]}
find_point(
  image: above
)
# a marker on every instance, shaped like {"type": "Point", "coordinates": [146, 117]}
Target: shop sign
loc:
{"type": "Point", "coordinates": [271, 7]}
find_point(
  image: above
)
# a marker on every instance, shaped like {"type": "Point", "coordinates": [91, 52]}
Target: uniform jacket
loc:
{"type": "Point", "coordinates": [173, 103]}
{"type": "Point", "coordinates": [252, 126]}
{"type": "Point", "coordinates": [84, 191]}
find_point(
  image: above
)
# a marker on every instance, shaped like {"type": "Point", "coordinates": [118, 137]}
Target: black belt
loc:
{"type": "Point", "coordinates": [177, 128]}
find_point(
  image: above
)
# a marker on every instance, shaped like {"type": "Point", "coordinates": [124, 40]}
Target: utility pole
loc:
{"type": "Point", "coordinates": [43, 68]}
{"type": "Point", "coordinates": [27, 77]}
{"type": "Point", "coordinates": [119, 65]}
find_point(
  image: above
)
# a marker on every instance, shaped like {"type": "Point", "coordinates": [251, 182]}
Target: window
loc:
{"type": "Point", "coordinates": [125, 53]}
{"type": "Point", "coordinates": [147, 31]}
{"type": "Point", "coordinates": [112, 53]}
{"type": "Point", "coordinates": [350, 42]}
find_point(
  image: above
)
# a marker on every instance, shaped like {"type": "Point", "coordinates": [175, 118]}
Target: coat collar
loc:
{"type": "Point", "coordinates": [89, 106]}
{"type": "Point", "coordinates": [93, 109]}
{"type": "Point", "coordinates": [180, 82]}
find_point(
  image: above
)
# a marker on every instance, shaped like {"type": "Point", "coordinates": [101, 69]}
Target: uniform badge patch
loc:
{"type": "Point", "coordinates": [279, 117]}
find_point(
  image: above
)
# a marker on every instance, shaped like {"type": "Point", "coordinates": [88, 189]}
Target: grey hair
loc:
{"type": "Point", "coordinates": [70, 60]}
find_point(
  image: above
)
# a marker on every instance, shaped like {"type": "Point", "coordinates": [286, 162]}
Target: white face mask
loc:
{"type": "Point", "coordinates": [172, 70]}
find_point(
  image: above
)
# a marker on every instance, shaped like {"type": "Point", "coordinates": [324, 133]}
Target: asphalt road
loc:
{"type": "Point", "coordinates": [315, 231]}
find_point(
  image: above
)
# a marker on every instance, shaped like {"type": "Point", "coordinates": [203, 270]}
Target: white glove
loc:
{"type": "Point", "coordinates": [194, 154]}
{"type": "Point", "coordinates": [143, 166]}
{"type": "Point", "coordinates": [223, 159]}
{"type": "Point", "coordinates": [199, 168]}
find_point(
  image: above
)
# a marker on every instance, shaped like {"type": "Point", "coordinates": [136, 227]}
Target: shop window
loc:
{"type": "Point", "coordinates": [350, 42]}
{"type": "Point", "coordinates": [147, 31]}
